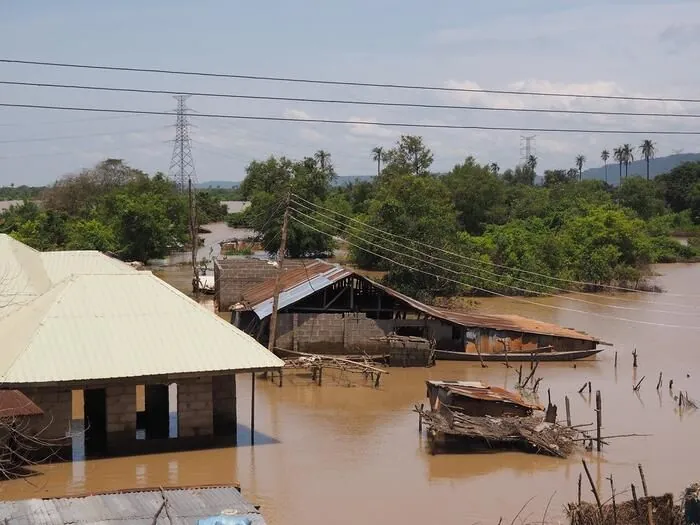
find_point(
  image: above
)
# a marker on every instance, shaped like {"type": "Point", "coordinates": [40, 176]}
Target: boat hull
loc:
{"type": "Point", "coordinates": [445, 355]}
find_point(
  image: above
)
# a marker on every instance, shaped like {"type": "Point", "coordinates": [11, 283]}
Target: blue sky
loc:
{"type": "Point", "coordinates": [599, 47]}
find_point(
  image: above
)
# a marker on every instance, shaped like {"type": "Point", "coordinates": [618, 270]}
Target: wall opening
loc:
{"type": "Point", "coordinates": [415, 331]}
{"type": "Point", "coordinates": [156, 416]}
{"type": "Point", "coordinates": [95, 410]}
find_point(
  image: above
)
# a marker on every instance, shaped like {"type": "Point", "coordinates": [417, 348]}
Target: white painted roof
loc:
{"type": "Point", "coordinates": [96, 327]}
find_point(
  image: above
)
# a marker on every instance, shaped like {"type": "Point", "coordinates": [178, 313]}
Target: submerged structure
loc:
{"type": "Point", "coordinates": [82, 334]}
{"type": "Point", "coordinates": [330, 309]}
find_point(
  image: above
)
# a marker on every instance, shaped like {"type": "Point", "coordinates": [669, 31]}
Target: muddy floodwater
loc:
{"type": "Point", "coordinates": [344, 453]}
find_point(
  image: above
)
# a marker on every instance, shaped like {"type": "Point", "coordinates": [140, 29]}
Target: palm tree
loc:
{"type": "Point", "coordinates": [495, 168]}
{"type": "Point", "coordinates": [378, 157]}
{"type": "Point", "coordinates": [628, 154]}
{"type": "Point", "coordinates": [605, 155]}
{"type": "Point", "coordinates": [580, 161]}
{"type": "Point", "coordinates": [648, 149]}
{"type": "Point", "coordinates": [619, 156]}
{"type": "Point", "coordinates": [322, 157]}
{"type": "Point", "coordinates": [531, 162]}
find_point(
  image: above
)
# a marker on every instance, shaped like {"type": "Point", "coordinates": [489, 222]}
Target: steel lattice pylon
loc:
{"type": "Point", "coordinates": [182, 163]}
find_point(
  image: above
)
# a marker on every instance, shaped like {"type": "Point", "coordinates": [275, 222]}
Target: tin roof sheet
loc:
{"type": "Point", "coordinates": [139, 507]}
{"type": "Point", "coordinates": [14, 403]}
{"type": "Point", "coordinates": [91, 327]}
{"type": "Point", "coordinates": [302, 282]}
{"type": "Point", "coordinates": [483, 392]}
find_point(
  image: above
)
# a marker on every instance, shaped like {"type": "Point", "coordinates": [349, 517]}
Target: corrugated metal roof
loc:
{"type": "Point", "coordinates": [185, 507]}
{"type": "Point", "coordinates": [295, 284]}
{"type": "Point", "coordinates": [302, 282]}
{"type": "Point", "coordinates": [61, 264]}
{"type": "Point", "coordinates": [483, 392]}
{"type": "Point", "coordinates": [91, 327]}
{"type": "Point", "coordinates": [14, 403]}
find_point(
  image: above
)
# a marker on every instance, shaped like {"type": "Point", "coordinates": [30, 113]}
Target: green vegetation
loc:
{"type": "Point", "coordinates": [111, 207]}
{"type": "Point", "coordinates": [513, 237]}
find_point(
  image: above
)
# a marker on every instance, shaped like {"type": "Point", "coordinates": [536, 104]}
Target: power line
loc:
{"type": "Point", "coordinates": [494, 281]}
{"type": "Point", "coordinates": [403, 246]}
{"type": "Point", "coordinates": [356, 123]}
{"type": "Point", "coordinates": [346, 83]}
{"type": "Point", "coordinates": [517, 299]}
{"type": "Point", "coordinates": [373, 103]}
{"type": "Point", "coordinates": [474, 259]}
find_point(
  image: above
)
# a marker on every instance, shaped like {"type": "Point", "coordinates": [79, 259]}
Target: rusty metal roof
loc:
{"type": "Point", "coordinates": [295, 285]}
{"type": "Point", "coordinates": [14, 403]}
{"type": "Point", "coordinates": [302, 282]}
{"type": "Point", "coordinates": [184, 507]}
{"type": "Point", "coordinates": [483, 392]}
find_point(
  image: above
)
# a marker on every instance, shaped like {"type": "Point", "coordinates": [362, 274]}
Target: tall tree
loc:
{"type": "Point", "coordinates": [628, 154]}
{"type": "Point", "coordinates": [378, 156]}
{"type": "Point", "coordinates": [495, 168]}
{"type": "Point", "coordinates": [580, 161]}
{"type": "Point", "coordinates": [648, 149]}
{"type": "Point", "coordinates": [605, 155]}
{"type": "Point", "coordinates": [531, 163]}
{"type": "Point", "coordinates": [619, 156]}
{"type": "Point", "coordinates": [323, 158]}
{"type": "Point", "coordinates": [410, 155]}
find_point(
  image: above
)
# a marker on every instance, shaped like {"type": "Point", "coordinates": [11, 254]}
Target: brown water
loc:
{"type": "Point", "coordinates": [346, 454]}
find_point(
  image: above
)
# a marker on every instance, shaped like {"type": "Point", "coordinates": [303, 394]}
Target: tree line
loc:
{"type": "Point", "coordinates": [498, 230]}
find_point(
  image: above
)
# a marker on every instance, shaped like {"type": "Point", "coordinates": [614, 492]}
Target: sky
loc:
{"type": "Point", "coordinates": [603, 47]}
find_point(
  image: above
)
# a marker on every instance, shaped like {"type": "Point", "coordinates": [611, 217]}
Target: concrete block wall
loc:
{"type": "Point", "coordinates": [121, 409]}
{"type": "Point", "coordinates": [195, 407]}
{"type": "Point", "coordinates": [330, 333]}
{"type": "Point", "coordinates": [233, 276]}
{"type": "Point", "coordinates": [223, 392]}
{"type": "Point", "coordinates": [58, 410]}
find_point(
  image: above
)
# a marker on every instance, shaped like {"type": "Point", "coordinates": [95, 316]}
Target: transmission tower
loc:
{"type": "Point", "coordinates": [182, 164]}
{"type": "Point", "coordinates": [527, 148]}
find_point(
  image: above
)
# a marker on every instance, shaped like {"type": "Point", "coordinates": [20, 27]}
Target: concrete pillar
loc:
{"type": "Point", "coordinates": [194, 403]}
{"type": "Point", "coordinates": [121, 414]}
{"type": "Point", "coordinates": [223, 393]}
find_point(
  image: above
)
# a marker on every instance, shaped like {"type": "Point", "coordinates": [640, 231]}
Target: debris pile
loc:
{"type": "Point", "coordinates": [663, 512]}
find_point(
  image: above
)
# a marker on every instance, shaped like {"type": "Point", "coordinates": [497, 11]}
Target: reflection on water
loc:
{"type": "Point", "coordinates": [337, 452]}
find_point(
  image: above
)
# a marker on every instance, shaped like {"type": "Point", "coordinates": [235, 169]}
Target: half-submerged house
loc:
{"type": "Point", "coordinates": [330, 309]}
{"type": "Point", "coordinates": [81, 333]}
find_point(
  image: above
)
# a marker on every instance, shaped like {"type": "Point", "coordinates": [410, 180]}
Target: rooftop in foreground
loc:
{"type": "Point", "coordinates": [184, 506]}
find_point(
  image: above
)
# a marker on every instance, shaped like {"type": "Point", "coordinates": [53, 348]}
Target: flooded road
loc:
{"type": "Point", "coordinates": [218, 232]}
{"type": "Point", "coordinates": [346, 454]}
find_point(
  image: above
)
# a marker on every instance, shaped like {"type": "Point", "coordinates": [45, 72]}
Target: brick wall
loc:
{"type": "Point", "coordinates": [223, 392]}
{"type": "Point", "coordinates": [121, 414]}
{"type": "Point", "coordinates": [58, 409]}
{"type": "Point", "coordinates": [331, 333]}
{"type": "Point", "coordinates": [233, 276]}
{"type": "Point", "coordinates": [194, 403]}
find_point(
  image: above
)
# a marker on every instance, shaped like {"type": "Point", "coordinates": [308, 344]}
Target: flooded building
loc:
{"type": "Point", "coordinates": [82, 333]}
{"type": "Point", "coordinates": [326, 308]}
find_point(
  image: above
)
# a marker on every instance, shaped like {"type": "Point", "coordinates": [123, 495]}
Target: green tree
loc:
{"type": "Point", "coordinates": [90, 234]}
{"type": "Point", "coordinates": [642, 196]}
{"type": "Point", "coordinates": [378, 156]}
{"type": "Point", "coordinates": [619, 156]}
{"type": "Point", "coordinates": [478, 195]}
{"type": "Point", "coordinates": [677, 184]}
{"type": "Point", "coordinates": [580, 161]}
{"type": "Point", "coordinates": [648, 150]}
{"type": "Point", "coordinates": [410, 155]}
{"type": "Point", "coordinates": [605, 155]}
{"type": "Point", "coordinates": [324, 159]}
{"type": "Point", "coordinates": [628, 156]}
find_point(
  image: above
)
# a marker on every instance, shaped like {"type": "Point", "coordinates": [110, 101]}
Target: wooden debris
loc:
{"type": "Point", "coordinates": [317, 362]}
{"type": "Point", "coordinates": [530, 432]}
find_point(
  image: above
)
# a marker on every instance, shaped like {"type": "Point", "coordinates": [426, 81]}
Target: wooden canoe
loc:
{"type": "Point", "coordinates": [446, 355]}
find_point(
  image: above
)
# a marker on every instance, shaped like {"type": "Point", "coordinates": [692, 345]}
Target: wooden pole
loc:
{"type": "Point", "coordinates": [252, 409]}
{"type": "Point", "coordinates": [650, 511]}
{"type": "Point", "coordinates": [634, 358]}
{"type": "Point", "coordinates": [320, 375]}
{"type": "Point", "coordinates": [579, 488]}
{"type": "Point", "coordinates": [278, 279]}
{"type": "Point", "coordinates": [520, 374]}
{"type": "Point", "coordinates": [568, 411]}
{"type": "Point", "coordinates": [235, 409]}
{"type": "Point", "coordinates": [637, 509]}
{"type": "Point", "coordinates": [599, 418]}
{"type": "Point", "coordinates": [658, 385]}
{"type": "Point", "coordinates": [589, 387]}
{"type": "Point", "coordinates": [615, 358]}
{"type": "Point", "coordinates": [420, 419]}
{"type": "Point", "coordinates": [281, 376]}
{"type": "Point", "coordinates": [614, 506]}
{"type": "Point", "coordinates": [593, 489]}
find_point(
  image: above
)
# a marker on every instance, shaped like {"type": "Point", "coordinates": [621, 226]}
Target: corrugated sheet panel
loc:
{"type": "Point", "coordinates": [92, 327]}
{"type": "Point", "coordinates": [60, 265]}
{"type": "Point", "coordinates": [14, 403]}
{"type": "Point", "coordinates": [483, 392]}
{"type": "Point", "coordinates": [22, 272]}
{"type": "Point", "coordinates": [185, 507]}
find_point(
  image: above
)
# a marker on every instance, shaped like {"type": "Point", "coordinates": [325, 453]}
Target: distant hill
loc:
{"type": "Point", "coordinates": [657, 166]}
{"type": "Point", "coordinates": [223, 184]}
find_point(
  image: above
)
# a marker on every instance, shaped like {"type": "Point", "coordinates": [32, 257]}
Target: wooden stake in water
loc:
{"type": "Point", "coordinates": [593, 489]}
{"type": "Point", "coordinates": [614, 506]}
{"type": "Point", "coordinates": [634, 358]}
{"type": "Point", "coordinates": [658, 385]}
{"type": "Point", "coordinates": [568, 411]}
{"type": "Point", "coordinates": [599, 419]}
{"type": "Point", "coordinates": [615, 358]}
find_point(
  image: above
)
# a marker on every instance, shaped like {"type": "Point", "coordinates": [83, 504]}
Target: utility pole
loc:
{"type": "Point", "coordinates": [278, 279]}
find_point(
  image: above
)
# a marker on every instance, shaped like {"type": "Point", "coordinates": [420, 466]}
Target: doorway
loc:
{"type": "Point", "coordinates": [157, 414]}
{"type": "Point", "coordinates": [95, 405]}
